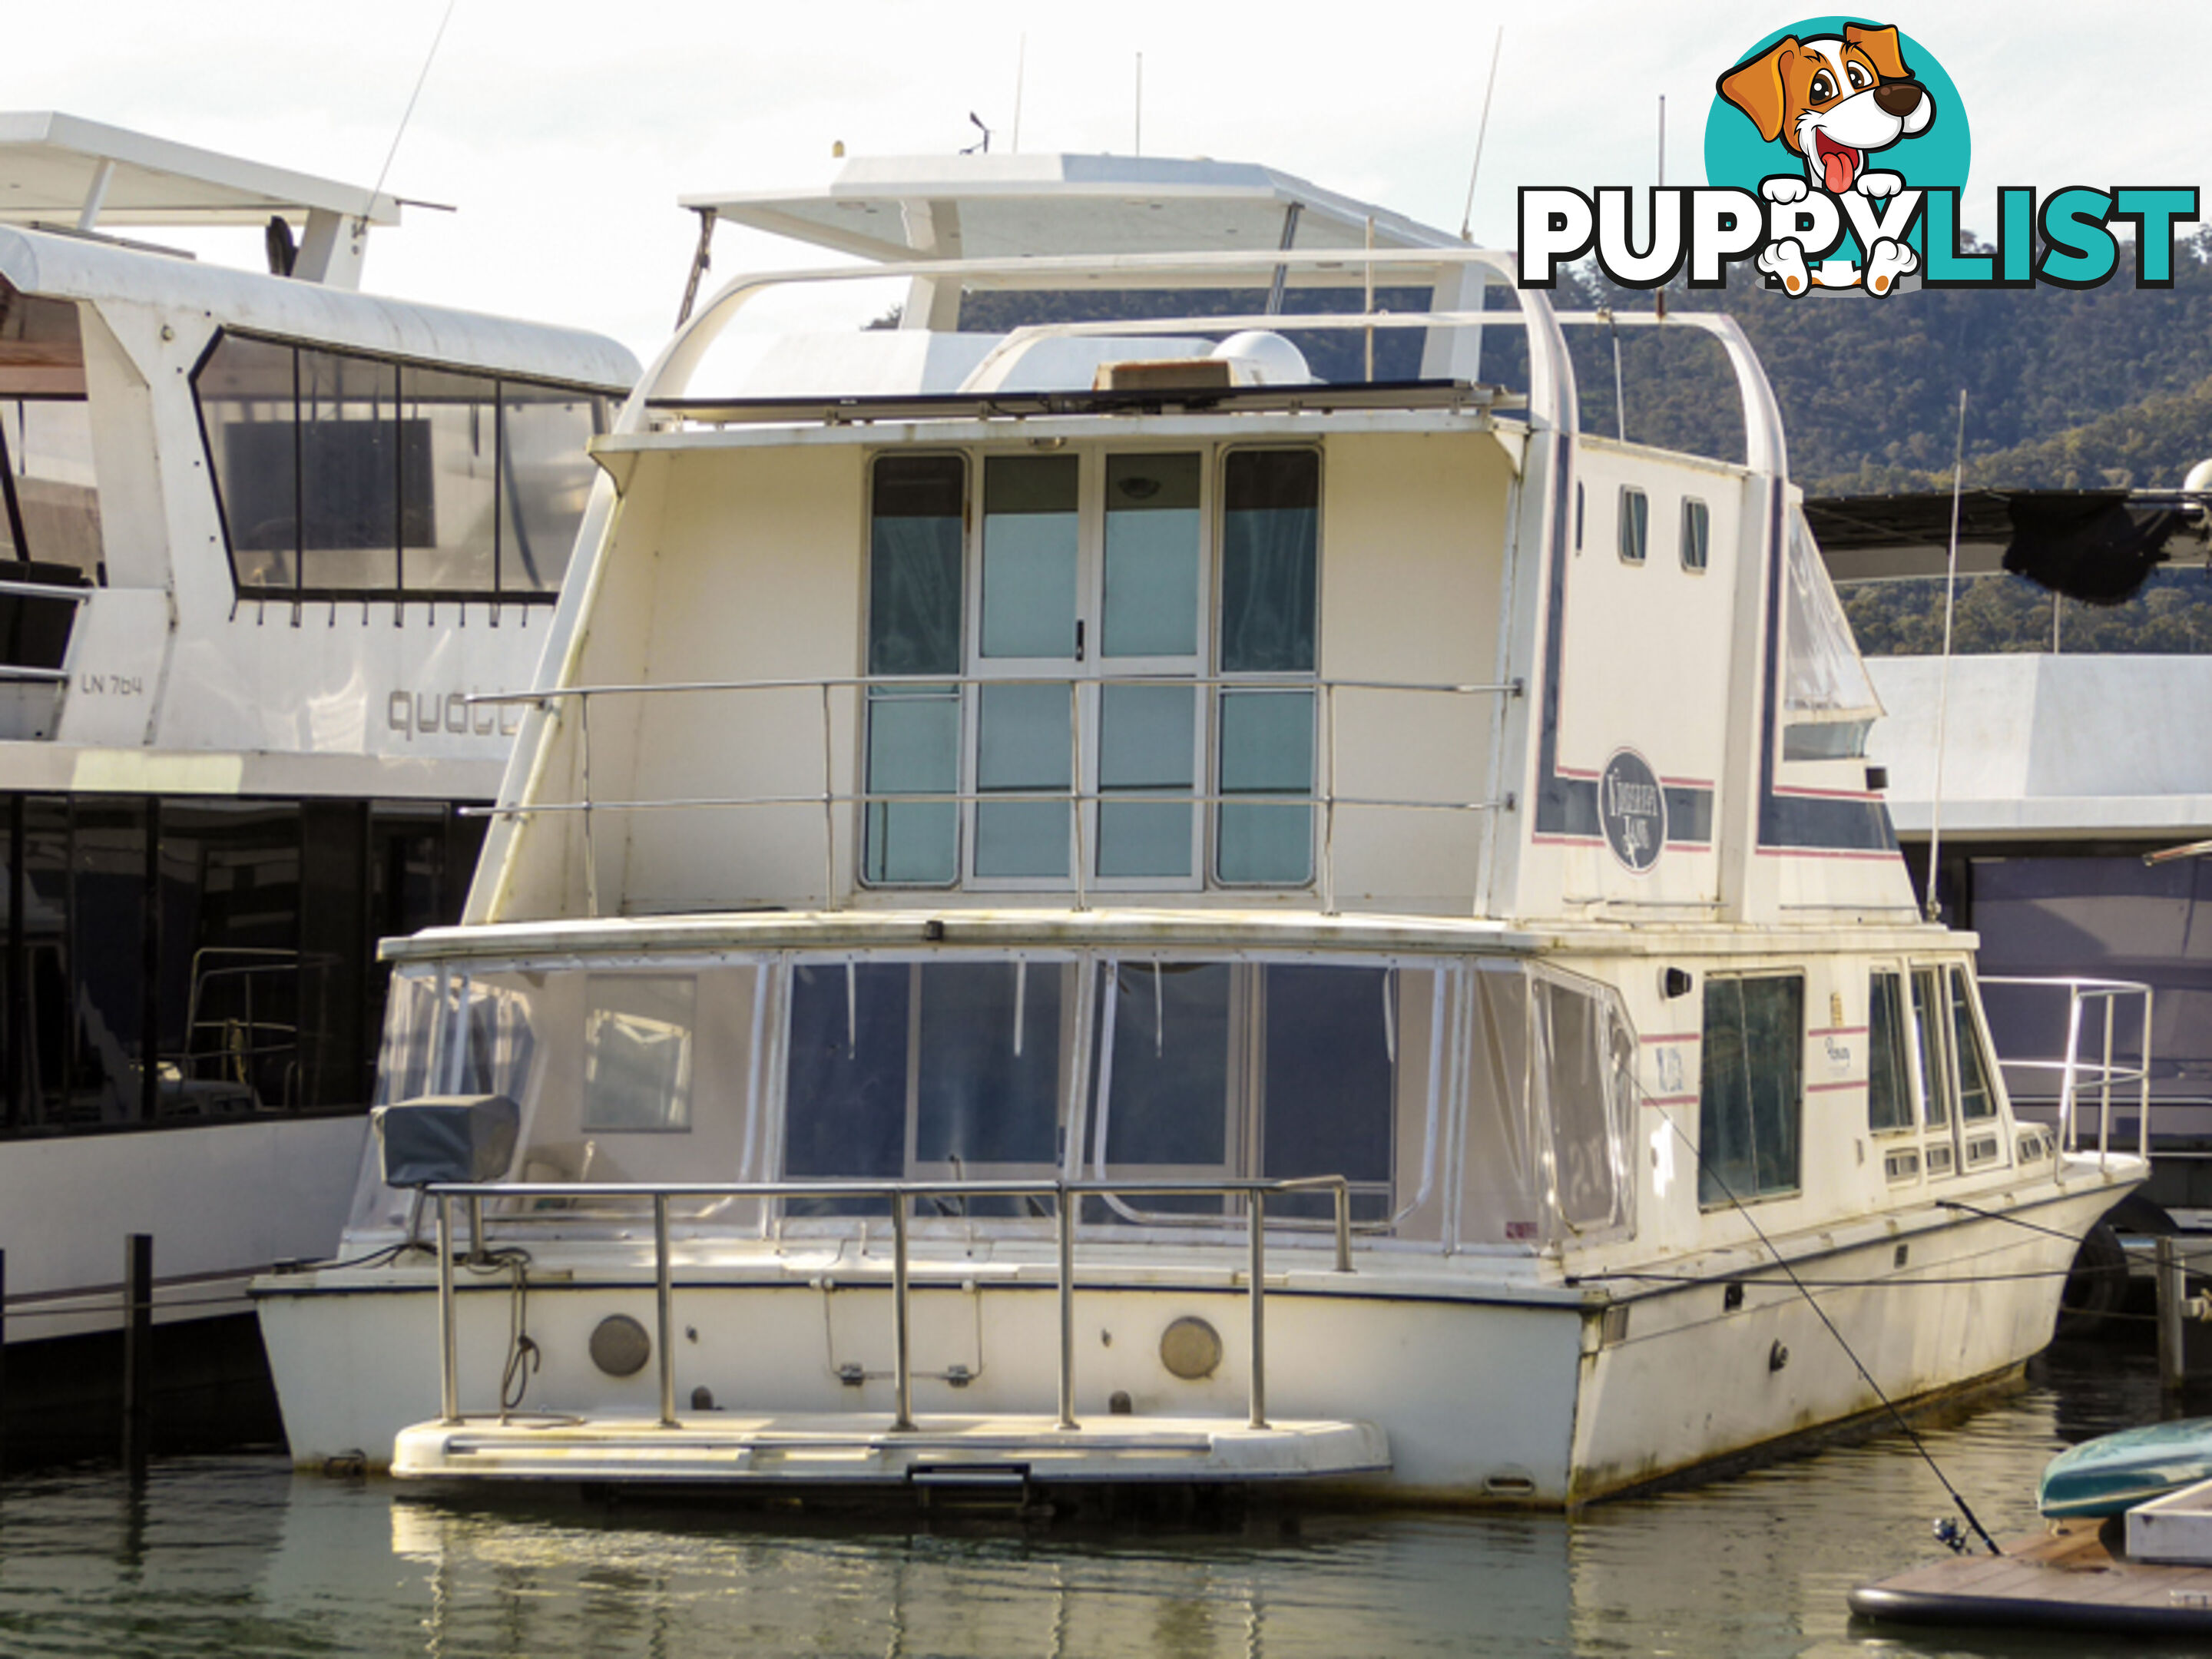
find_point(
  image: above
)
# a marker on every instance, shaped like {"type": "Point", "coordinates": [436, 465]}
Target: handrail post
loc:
{"type": "Point", "coordinates": [449, 1368]}
{"type": "Point", "coordinates": [2105, 1094]}
{"type": "Point", "coordinates": [2067, 1104]}
{"type": "Point", "coordinates": [1328, 804]}
{"type": "Point", "coordinates": [1343, 1226]}
{"type": "Point", "coordinates": [2142, 1065]}
{"type": "Point", "coordinates": [829, 808]}
{"type": "Point", "coordinates": [591, 842]}
{"type": "Point", "coordinates": [664, 1295]}
{"type": "Point", "coordinates": [1066, 1229]}
{"type": "Point", "coordinates": [1256, 1217]}
{"type": "Point", "coordinates": [902, 1370]}
{"type": "Point", "coordinates": [1075, 788]}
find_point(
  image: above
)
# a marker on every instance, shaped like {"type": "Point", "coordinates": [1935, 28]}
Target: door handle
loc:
{"type": "Point", "coordinates": [1078, 641]}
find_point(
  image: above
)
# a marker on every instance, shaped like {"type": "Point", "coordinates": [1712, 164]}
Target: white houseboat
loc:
{"type": "Point", "coordinates": [260, 537]}
{"type": "Point", "coordinates": [1129, 896]}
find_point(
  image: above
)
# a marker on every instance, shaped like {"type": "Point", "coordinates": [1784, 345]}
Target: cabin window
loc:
{"type": "Point", "coordinates": [1889, 1064]}
{"type": "Point", "coordinates": [945, 1070]}
{"type": "Point", "coordinates": [1106, 586]}
{"type": "Point", "coordinates": [915, 552]}
{"type": "Point", "coordinates": [637, 1052]}
{"type": "Point", "coordinates": [342, 475]}
{"type": "Point", "coordinates": [1828, 702]}
{"type": "Point", "coordinates": [1697, 528]}
{"type": "Point", "coordinates": [1218, 1069]}
{"type": "Point", "coordinates": [1588, 1075]}
{"type": "Point", "coordinates": [1751, 1088]}
{"type": "Point", "coordinates": [1977, 1099]}
{"type": "Point", "coordinates": [1635, 524]}
{"type": "Point", "coordinates": [1270, 592]}
{"type": "Point", "coordinates": [50, 528]}
{"type": "Point", "coordinates": [1927, 1022]}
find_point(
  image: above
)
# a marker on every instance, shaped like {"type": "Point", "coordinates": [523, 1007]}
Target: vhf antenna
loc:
{"type": "Point", "coordinates": [1466, 219]}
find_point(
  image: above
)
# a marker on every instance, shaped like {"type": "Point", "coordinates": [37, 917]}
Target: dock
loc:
{"type": "Point", "coordinates": [2066, 1579]}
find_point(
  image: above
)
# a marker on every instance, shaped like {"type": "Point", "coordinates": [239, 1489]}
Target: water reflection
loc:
{"type": "Point", "coordinates": [237, 1556]}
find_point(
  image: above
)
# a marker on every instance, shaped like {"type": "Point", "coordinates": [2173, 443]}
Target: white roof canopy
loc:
{"type": "Point", "coordinates": [980, 207]}
{"type": "Point", "coordinates": [59, 170]}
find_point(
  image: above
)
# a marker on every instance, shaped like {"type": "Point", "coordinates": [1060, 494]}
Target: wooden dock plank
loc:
{"type": "Point", "coordinates": [2064, 1579]}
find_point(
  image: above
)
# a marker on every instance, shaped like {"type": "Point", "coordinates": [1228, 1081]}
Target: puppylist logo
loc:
{"type": "Point", "coordinates": [1835, 153]}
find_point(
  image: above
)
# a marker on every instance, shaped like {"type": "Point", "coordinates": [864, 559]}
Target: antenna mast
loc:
{"type": "Point", "coordinates": [1935, 905]}
{"type": "Point", "coordinates": [1140, 104]}
{"type": "Point", "coordinates": [1021, 64]}
{"type": "Point", "coordinates": [1482, 130]}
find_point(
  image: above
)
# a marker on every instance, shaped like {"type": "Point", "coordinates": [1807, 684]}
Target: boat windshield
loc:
{"type": "Point", "coordinates": [1468, 1102]}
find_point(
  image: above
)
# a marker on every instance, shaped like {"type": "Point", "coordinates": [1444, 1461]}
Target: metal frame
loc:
{"type": "Point", "coordinates": [2077, 1075]}
{"type": "Point", "coordinates": [898, 1193]}
{"type": "Point", "coordinates": [1325, 796]}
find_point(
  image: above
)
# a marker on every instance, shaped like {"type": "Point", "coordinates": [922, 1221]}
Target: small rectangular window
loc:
{"type": "Point", "coordinates": [1635, 524]}
{"type": "Point", "coordinates": [1697, 525]}
{"type": "Point", "coordinates": [1751, 1088]}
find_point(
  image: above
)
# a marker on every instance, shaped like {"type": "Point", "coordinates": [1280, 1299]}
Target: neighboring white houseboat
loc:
{"type": "Point", "coordinates": [260, 536]}
{"type": "Point", "coordinates": [1085, 903]}
{"type": "Point", "coordinates": [2066, 764]}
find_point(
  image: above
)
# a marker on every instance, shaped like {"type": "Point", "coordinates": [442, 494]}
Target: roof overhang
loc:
{"type": "Point", "coordinates": [59, 170]}
{"type": "Point", "coordinates": [976, 207]}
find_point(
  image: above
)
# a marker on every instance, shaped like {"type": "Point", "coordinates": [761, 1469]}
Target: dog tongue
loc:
{"type": "Point", "coordinates": [1836, 165]}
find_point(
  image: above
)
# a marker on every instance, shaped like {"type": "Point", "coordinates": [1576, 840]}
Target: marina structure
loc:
{"type": "Point", "coordinates": [261, 535]}
{"type": "Point", "coordinates": [1164, 872]}
{"type": "Point", "coordinates": [2040, 761]}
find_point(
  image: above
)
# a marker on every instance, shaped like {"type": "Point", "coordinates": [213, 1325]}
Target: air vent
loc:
{"type": "Point", "coordinates": [1903, 1164]}
{"type": "Point", "coordinates": [1940, 1160]}
{"type": "Point", "coordinates": [1166, 374]}
{"type": "Point", "coordinates": [1982, 1149]}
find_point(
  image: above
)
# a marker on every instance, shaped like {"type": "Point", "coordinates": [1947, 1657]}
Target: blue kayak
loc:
{"type": "Point", "coordinates": [2114, 1473]}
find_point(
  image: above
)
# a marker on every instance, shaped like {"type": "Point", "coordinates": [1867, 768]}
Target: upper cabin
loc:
{"type": "Point", "coordinates": [1189, 538]}
{"type": "Point", "coordinates": [245, 515]}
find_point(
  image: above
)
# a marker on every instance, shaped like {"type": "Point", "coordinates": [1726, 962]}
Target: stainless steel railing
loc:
{"type": "Point", "coordinates": [1327, 796]}
{"type": "Point", "coordinates": [2077, 1076]}
{"type": "Point", "coordinates": [898, 1194]}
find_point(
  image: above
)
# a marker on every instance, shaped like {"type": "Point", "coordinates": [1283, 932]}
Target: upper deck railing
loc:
{"type": "Point", "coordinates": [1326, 797]}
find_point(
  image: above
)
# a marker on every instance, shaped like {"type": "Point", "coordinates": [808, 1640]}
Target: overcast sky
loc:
{"type": "Point", "coordinates": [564, 133]}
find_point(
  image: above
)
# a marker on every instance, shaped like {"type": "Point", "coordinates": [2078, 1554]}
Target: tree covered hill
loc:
{"type": "Point", "coordinates": [2065, 389]}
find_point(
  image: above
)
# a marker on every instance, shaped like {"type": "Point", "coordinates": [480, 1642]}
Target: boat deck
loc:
{"type": "Point", "coordinates": [2065, 1579]}
{"type": "Point", "coordinates": [846, 1449]}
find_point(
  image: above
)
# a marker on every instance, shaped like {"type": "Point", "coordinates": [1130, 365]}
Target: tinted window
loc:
{"type": "Point", "coordinates": [1635, 524]}
{"type": "Point", "coordinates": [1751, 1087]}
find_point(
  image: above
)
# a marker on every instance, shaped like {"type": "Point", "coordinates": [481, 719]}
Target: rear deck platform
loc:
{"type": "Point", "coordinates": [856, 1449]}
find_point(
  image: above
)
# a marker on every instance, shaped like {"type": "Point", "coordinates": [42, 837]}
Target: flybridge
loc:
{"type": "Point", "coordinates": [2064, 239]}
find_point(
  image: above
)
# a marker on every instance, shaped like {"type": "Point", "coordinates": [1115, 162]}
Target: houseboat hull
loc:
{"type": "Point", "coordinates": [1538, 1392]}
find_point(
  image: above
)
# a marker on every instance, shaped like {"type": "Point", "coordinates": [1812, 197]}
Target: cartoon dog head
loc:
{"type": "Point", "coordinates": [1830, 99]}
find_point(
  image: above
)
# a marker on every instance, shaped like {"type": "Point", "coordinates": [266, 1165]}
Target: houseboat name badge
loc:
{"type": "Point", "coordinates": [1632, 807]}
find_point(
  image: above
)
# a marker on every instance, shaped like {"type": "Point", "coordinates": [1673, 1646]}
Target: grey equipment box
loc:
{"type": "Point", "coordinates": [446, 1137]}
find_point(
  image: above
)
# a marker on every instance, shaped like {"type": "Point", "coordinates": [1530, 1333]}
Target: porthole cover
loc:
{"type": "Point", "coordinates": [620, 1347]}
{"type": "Point", "coordinates": [1190, 1348]}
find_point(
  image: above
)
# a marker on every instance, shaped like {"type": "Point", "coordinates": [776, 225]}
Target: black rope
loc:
{"type": "Point", "coordinates": [1819, 1313]}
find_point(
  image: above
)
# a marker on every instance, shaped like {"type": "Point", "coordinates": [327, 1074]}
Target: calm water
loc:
{"type": "Point", "coordinates": [238, 1556]}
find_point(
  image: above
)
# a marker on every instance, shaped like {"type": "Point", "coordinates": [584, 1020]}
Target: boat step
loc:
{"type": "Point", "coordinates": [1010, 1452]}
